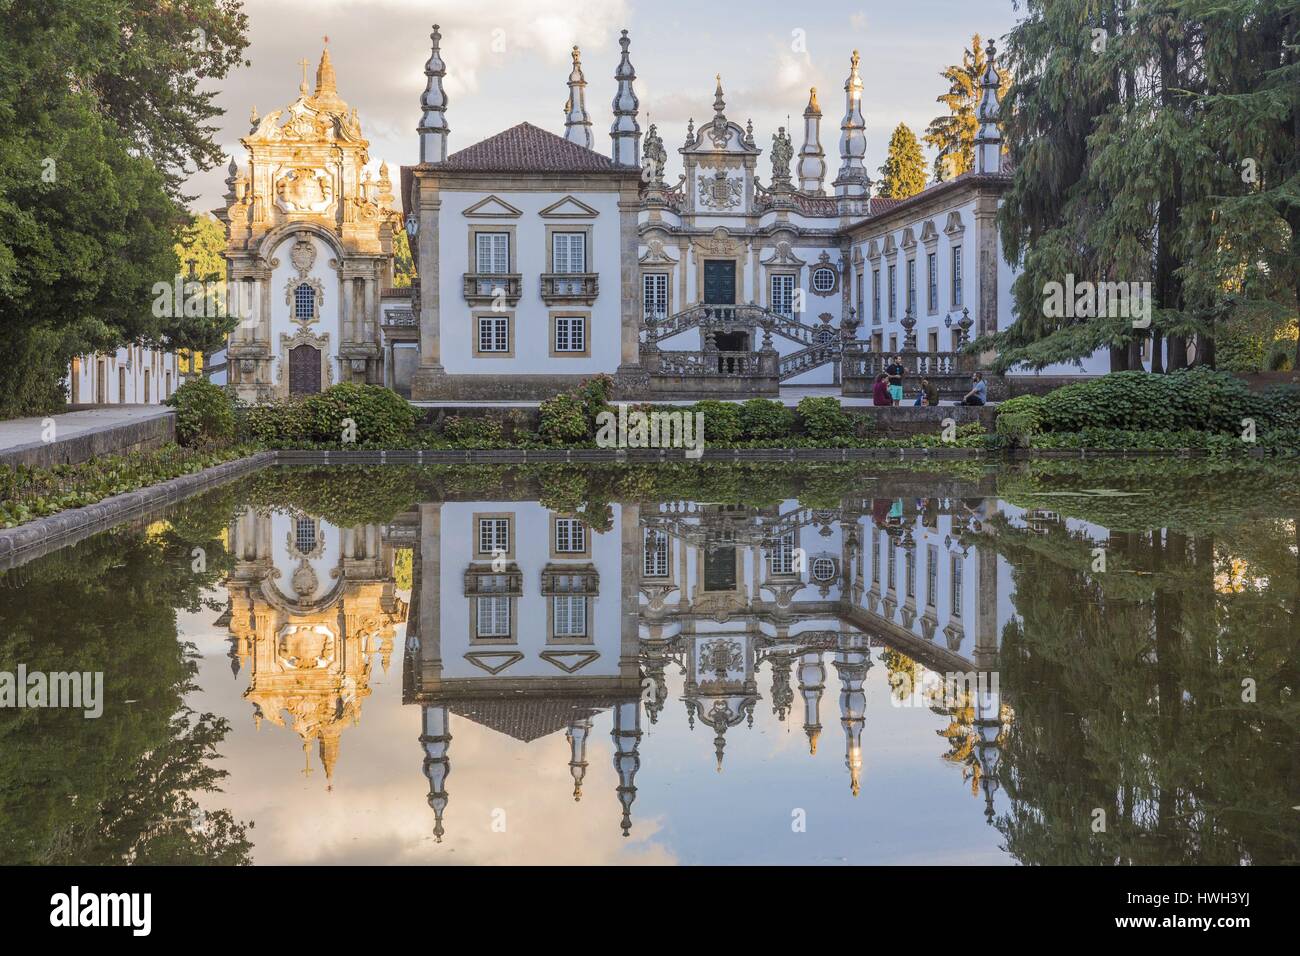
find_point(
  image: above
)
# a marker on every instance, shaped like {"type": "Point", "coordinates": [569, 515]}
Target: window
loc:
{"type": "Point", "coordinates": [493, 618]}
{"type": "Point", "coordinates": [570, 536]}
{"type": "Point", "coordinates": [955, 567]}
{"type": "Point", "coordinates": [861, 301]}
{"type": "Point", "coordinates": [909, 572]}
{"type": "Point", "coordinates": [911, 286]}
{"type": "Point", "coordinates": [569, 615]}
{"type": "Point", "coordinates": [823, 280]}
{"type": "Point", "coordinates": [783, 554]}
{"type": "Point", "coordinates": [493, 333]}
{"type": "Point", "coordinates": [956, 277]}
{"type": "Point", "coordinates": [304, 302]}
{"type": "Point", "coordinates": [570, 333]}
{"type": "Point", "coordinates": [891, 565]}
{"type": "Point", "coordinates": [875, 565]}
{"type": "Point", "coordinates": [304, 535]}
{"type": "Point", "coordinates": [656, 554]}
{"type": "Point", "coordinates": [823, 569]}
{"type": "Point", "coordinates": [783, 295]}
{"type": "Point", "coordinates": [654, 296]}
{"type": "Point", "coordinates": [492, 251]}
{"type": "Point", "coordinates": [932, 283]}
{"type": "Point", "coordinates": [893, 289]}
{"type": "Point", "coordinates": [875, 296]}
{"type": "Point", "coordinates": [568, 252]}
{"type": "Point", "coordinates": [931, 576]}
{"type": "Point", "coordinates": [493, 535]}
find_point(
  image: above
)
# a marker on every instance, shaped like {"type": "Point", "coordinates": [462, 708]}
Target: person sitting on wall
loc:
{"type": "Point", "coordinates": [979, 393]}
{"type": "Point", "coordinates": [928, 394]}
{"type": "Point", "coordinates": [895, 371]}
{"type": "Point", "coordinates": [880, 391]}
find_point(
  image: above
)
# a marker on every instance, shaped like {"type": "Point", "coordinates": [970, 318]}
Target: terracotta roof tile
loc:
{"type": "Point", "coordinates": [527, 149]}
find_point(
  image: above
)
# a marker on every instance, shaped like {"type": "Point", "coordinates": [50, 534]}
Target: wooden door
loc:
{"type": "Point", "coordinates": [304, 370]}
{"type": "Point", "coordinates": [719, 282]}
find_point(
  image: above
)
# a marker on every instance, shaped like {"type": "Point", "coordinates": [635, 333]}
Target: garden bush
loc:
{"type": "Point", "coordinates": [823, 420]}
{"type": "Point", "coordinates": [564, 420]}
{"type": "Point", "coordinates": [1019, 419]}
{"type": "Point", "coordinates": [481, 431]}
{"type": "Point", "coordinates": [205, 415]}
{"type": "Point", "coordinates": [762, 419]}
{"type": "Point", "coordinates": [1139, 401]}
{"type": "Point", "coordinates": [721, 421]}
{"type": "Point", "coordinates": [383, 418]}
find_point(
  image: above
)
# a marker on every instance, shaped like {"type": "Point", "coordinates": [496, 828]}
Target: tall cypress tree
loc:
{"type": "Point", "coordinates": [903, 174]}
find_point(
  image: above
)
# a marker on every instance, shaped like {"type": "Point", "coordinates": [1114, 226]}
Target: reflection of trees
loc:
{"type": "Point", "coordinates": [120, 788]}
{"type": "Point", "coordinates": [1127, 687]}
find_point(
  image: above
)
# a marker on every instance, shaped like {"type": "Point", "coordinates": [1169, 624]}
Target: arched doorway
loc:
{"type": "Point", "coordinates": [304, 370]}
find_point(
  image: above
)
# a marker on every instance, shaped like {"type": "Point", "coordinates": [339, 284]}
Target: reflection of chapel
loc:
{"type": "Point", "coordinates": [311, 605]}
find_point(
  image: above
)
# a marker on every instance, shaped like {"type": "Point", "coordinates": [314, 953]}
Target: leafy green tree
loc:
{"type": "Point", "coordinates": [403, 262]}
{"type": "Point", "coordinates": [953, 134]}
{"type": "Point", "coordinates": [903, 174]}
{"type": "Point", "coordinates": [102, 114]}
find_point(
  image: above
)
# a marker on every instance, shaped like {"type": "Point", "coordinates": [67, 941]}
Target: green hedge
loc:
{"type": "Point", "coordinates": [823, 420]}
{"type": "Point", "coordinates": [383, 419]}
{"type": "Point", "coordinates": [762, 419]}
{"type": "Point", "coordinates": [205, 415]}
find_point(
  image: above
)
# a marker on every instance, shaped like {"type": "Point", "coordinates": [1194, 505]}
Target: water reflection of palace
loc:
{"type": "Point", "coordinates": [531, 622]}
{"type": "Point", "coordinates": [311, 606]}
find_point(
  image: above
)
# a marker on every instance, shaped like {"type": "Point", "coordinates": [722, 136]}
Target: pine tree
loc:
{"type": "Point", "coordinates": [953, 134]}
{"type": "Point", "coordinates": [903, 174]}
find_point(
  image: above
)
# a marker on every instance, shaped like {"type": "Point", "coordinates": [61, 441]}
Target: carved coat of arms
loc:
{"type": "Point", "coordinates": [720, 191]}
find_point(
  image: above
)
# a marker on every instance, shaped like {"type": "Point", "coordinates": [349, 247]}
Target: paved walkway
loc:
{"type": "Point", "coordinates": [30, 431]}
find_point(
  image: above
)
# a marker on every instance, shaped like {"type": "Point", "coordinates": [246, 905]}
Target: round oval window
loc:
{"type": "Point", "coordinates": [823, 569]}
{"type": "Point", "coordinates": [823, 280]}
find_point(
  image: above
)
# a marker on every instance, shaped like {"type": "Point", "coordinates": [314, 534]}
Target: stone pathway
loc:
{"type": "Point", "coordinates": [26, 431]}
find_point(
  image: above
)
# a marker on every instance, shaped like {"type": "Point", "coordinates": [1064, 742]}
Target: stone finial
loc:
{"type": "Point", "coordinates": [812, 158]}
{"type": "Point", "coordinates": [988, 142]}
{"type": "Point", "coordinates": [433, 128]}
{"type": "Point", "coordinates": [625, 132]}
{"type": "Point", "coordinates": [852, 179]}
{"type": "Point", "coordinates": [577, 124]}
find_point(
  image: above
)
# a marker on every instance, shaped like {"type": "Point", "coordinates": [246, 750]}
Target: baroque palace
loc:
{"type": "Point", "coordinates": [542, 261]}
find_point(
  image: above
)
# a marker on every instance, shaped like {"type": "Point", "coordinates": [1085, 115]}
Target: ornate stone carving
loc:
{"type": "Point", "coordinates": [720, 191]}
{"type": "Point", "coordinates": [304, 189]}
{"type": "Point", "coordinates": [782, 153]}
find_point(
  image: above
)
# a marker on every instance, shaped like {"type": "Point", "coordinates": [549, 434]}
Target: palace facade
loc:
{"type": "Point", "coordinates": [543, 260]}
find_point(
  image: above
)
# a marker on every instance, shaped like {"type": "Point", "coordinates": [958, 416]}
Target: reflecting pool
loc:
{"type": "Point", "coordinates": [1062, 662]}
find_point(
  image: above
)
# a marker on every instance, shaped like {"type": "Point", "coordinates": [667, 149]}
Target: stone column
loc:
{"type": "Point", "coordinates": [986, 614]}
{"type": "Point", "coordinates": [428, 586]}
{"type": "Point", "coordinates": [424, 383]}
{"type": "Point", "coordinates": [345, 310]}
{"type": "Point", "coordinates": [630, 349]}
{"type": "Point", "coordinates": [986, 243]}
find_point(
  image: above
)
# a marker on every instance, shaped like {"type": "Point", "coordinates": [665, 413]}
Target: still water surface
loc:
{"type": "Point", "coordinates": [1067, 663]}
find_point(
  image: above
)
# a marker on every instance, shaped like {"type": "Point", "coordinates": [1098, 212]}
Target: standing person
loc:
{"type": "Point", "coordinates": [895, 372]}
{"type": "Point", "coordinates": [880, 391]}
{"type": "Point", "coordinates": [979, 392]}
{"type": "Point", "coordinates": [928, 394]}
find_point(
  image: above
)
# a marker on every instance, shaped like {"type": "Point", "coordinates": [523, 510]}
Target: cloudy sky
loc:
{"type": "Point", "coordinates": [507, 61]}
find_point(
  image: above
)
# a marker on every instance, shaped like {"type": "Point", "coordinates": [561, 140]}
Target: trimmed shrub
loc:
{"type": "Point", "coordinates": [484, 431]}
{"type": "Point", "coordinates": [721, 421]}
{"type": "Point", "coordinates": [762, 419]}
{"type": "Point", "coordinates": [823, 420]}
{"type": "Point", "coordinates": [564, 420]}
{"type": "Point", "coordinates": [1194, 399]}
{"type": "Point", "coordinates": [282, 423]}
{"type": "Point", "coordinates": [205, 415]}
{"type": "Point", "coordinates": [1019, 419]}
{"type": "Point", "coordinates": [382, 417]}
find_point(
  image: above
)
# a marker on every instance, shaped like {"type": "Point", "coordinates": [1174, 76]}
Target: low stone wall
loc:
{"type": "Point", "coordinates": [903, 421]}
{"type": "Point", "coordinates": [694, 388]}
{"type": "Point", "coordinates": [27, 541]}
{"type": "Point", "coordinates": [491, 388]}
{"type": "Point", "coordinates": [141, 434]}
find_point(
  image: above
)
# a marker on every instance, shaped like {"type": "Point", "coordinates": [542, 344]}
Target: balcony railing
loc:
{"type": "Point", "coordinates": [570, 286]}
{"type": "Point", "coordinates": [701, 364]}
{"type": "Point", "coordinates": [488, 286]}
{"type": "Point", "coordinates": [871, 364]}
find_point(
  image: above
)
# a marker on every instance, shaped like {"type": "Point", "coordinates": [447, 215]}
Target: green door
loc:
{"type": "Point", "coordinates": [719, 282]}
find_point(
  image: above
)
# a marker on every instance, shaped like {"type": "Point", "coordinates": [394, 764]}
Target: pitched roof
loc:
{"type": "Point", "coordinates": [526, 148]}
{"type": "Point", "coordinates": [528, 719]}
